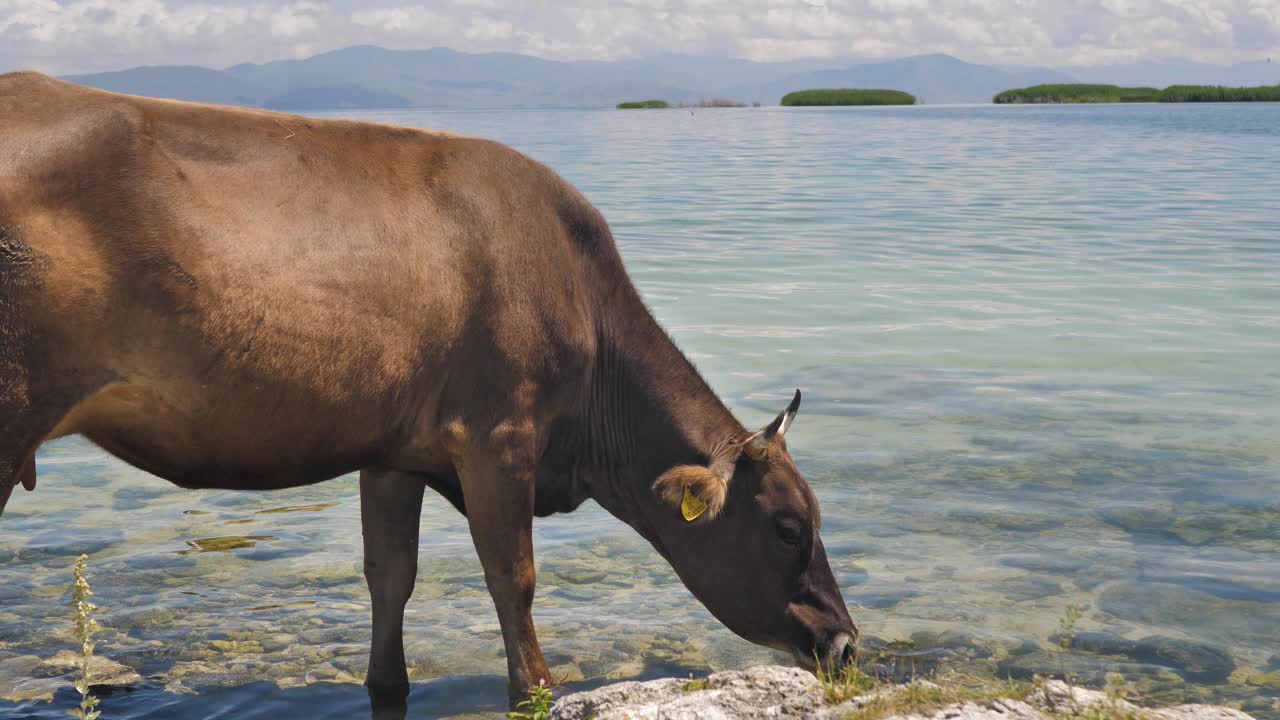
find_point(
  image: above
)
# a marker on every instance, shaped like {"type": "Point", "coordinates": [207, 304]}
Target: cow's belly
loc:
{"type": "Point", "coordinates": [200, 436]}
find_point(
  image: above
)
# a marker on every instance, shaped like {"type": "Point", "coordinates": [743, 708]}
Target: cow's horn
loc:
{"type": "Point", "coordinates": [759, 441]}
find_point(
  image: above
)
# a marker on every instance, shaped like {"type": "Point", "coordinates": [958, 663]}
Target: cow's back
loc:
{"type": "Point", "coordinates": [279, 298]}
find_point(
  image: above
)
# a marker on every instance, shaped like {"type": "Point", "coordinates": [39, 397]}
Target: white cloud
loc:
{"type": "Point", "coordinates": [297, 20]}
{"type": "Point", "coordinates": [488, 29]}
{"type": "Point", "coordinates": [401, 20]}
{"type": "Point", "coordinates": [90, 35]}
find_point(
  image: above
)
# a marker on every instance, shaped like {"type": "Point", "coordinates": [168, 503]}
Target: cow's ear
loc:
{"type": "Point", "coordinates": [695, 491]}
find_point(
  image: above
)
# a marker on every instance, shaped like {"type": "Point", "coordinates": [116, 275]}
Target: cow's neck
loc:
{"type": "Point", "coordinates": [648, 411]}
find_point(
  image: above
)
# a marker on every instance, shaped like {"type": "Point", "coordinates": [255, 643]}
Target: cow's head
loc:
{"type": "Point", "coordinates": [742, 533]}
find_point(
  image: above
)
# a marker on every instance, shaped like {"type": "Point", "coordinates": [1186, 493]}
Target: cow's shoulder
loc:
{"type": "Point", "coordinates": [23, 80]}
{"type": "Point", "coordinates": [28, 93]}
{"type": "Point", "coordinates": [63, 145]}
{"type": "Point", "coordinates": [28, 83]}
{"type": "Point", "coordinates": [46, 115]}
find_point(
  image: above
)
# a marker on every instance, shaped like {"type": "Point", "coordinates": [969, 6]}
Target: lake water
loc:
{"type": "Point", "coordinates": [1040, 350]}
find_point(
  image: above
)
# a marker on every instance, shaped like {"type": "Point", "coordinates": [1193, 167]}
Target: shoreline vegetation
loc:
{"type": "Point", "coordinates": [890, 686]}
{"type": "Point", "coordinates": [824, 97]}
{"type": "Point", "coordinates": [663, 104]}
{"type": "Point", "coordinates": [774, 691]}
{"type": "Point", "coordinates": [1066, 93]}
{"type": "Point", "coordinates": [1086, 93]}
{"type": "Point", "coordinates": [801, 98]}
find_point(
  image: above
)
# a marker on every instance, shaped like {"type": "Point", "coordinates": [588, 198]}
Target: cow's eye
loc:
{"type": "Point", "coordinates": [789, 532]}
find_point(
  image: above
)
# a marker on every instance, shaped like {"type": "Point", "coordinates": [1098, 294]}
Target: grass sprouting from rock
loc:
{"type": "Point", "coordinates": [537, 706]}
{"type": "Point", "coordinates": [922, 698]}
{"type": "Point", "coordinates": [846, 96]}
{"type": "Point", "coordinates": [1091, 93]}
{"type": "Point", "coordinates": [877, 695]}
{"type": "Point", "coordinates": [695, 685]}
{"type": "Point", "coordinates": [844, 684]}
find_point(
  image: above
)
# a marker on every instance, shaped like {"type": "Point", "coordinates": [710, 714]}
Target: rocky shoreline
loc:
{"type": "Point", "coordinates": [767, 691]}
{"type": "Point", "coordinates": [782, 692]}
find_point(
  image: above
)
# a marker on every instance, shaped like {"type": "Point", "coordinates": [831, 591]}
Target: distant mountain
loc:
{"type": "Point", "coordinates": [374, 77]}
{"type": "Point", "coordinates": [441, 77]}
{"type": "Point", "coordinates": [1181, 72]}
{"type": "Point", "coordinates": [180, 82]}
{"type": "Point", "coordinates": [335, 97]}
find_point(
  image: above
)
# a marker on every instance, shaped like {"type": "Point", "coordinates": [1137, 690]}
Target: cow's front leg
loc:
{"type": "Point", "coordinates": [498, 487]}
{"type": "Point", "coordinates": [390, 506]}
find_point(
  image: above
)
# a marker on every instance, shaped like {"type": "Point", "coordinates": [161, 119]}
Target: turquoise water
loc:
{"type": "Point", "coordinates": [1040, 350]}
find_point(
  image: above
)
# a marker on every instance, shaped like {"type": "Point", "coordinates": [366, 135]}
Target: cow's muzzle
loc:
{"type": "Point", "coordinates": [839, 651]}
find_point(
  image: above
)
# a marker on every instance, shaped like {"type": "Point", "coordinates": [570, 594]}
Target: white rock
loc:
{"type": "Point", "coordinates": [781, 692]}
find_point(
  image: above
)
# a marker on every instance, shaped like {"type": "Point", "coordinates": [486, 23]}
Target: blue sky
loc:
{"type": "Point", "coordinates": [89, 35]}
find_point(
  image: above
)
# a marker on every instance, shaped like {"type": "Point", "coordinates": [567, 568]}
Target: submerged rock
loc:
{"type": "Point", "coordinates": [880, 600]}
{"type": "Point", "coordinates": [1052, 563]}
{"type": "Point", "coordinates": [1269, 680]}
{"type": "Point", "coordinates": [104, 672]}
{"type": "Point", "coordinates": [1195, 661]}
{"type": "Point", "coordinates": [27, 688]}
{"type": "Point", "coordinates": [1056, 699]}
{"type": "Point", "coordinates": [1042, 663]}
{"type": "Point", "coordinates": [1098, 643]}
{"type": "Point", "coordinates": [955, 640]}
{"type": "Point", "coordinates": [39, 689]}
{"type": "Point", "coordinates": [778, 692]}
{"type": "Point", "coordinates": [579, 576]}
{"type": "Point", "coordinates": [1200, 524]}
{"type": "Point", "coordinates": [64, 543]}
{"type": "Point", "coordinates": [1167, 605]}
{"type": "Point", "coordinates": [1023, 589]}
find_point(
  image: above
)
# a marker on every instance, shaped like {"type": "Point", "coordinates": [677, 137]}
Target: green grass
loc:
{"type": "Point", "coordinates": [643, 105]}
{"type": "Point", "coordinates": [537, 707]}
{"type": "Point", "coordinates": [692, 685]}
{"type": "Point", "coordinates": [881, 697]}
{"type": "Point", "coordinates": [840, 685]}
{"type": "Point", "coordinates": [924, 698]}
{"type": "Point", "coordinates": [1083, 93]}
{"type": "Point", "coordinates": [826, 97]}
{"type": "Point", "coordinates": [883, 700]}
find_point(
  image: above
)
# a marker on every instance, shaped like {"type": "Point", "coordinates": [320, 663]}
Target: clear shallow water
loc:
{"type": "Point", "coordinates": [1040, 349]}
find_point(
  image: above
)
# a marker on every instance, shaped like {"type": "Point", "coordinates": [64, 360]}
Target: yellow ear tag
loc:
{"type": "Point", "coordinates": [691, 507]}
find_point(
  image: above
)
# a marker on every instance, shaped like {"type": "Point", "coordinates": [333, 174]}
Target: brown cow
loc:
{"type": "Point", "coordinates": [229, 298]}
